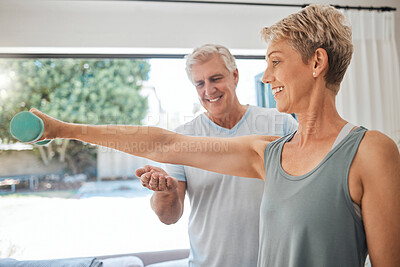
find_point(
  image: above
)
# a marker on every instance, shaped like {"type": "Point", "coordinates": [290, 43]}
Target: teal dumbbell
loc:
{"type": "Point", "coordinates": [28, 128]}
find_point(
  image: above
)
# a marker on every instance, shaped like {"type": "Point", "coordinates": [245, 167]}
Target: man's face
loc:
{"type": "Point", "coordinates": [215, 85]}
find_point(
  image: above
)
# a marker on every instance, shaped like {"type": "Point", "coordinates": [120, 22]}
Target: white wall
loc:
{"type": "Point", "coordinates": [115, 164]}
{"type": "Point", "coordinates": [129, 24]}
{"type": "Point", "coordinates": [26, 162]}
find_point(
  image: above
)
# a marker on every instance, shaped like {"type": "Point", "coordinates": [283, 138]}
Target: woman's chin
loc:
{"type": "Point", "coordinates": [282, 109]}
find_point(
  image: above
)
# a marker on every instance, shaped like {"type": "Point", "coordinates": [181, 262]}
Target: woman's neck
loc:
{"type": "Point", "coordinates": [319, 121]}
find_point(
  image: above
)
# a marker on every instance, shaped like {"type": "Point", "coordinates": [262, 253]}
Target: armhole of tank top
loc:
{"type": "Point", "coordinates": [265, 154]}
{"type": "Point", "coordinates": [279, 142]}
{"type": "Point", "coordinates": [354, 209]}
{"type": "Point", "coordinates": [267, 148]}
{"type": "Point", "coordinates": [346, 130]}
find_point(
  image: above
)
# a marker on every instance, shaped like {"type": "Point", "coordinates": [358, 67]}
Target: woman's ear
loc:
{"type": "Point", "coordinates": [320, 62]}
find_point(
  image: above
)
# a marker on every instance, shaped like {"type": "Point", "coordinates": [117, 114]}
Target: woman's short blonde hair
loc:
{"type": "Point", "coordinates": [313, 27]}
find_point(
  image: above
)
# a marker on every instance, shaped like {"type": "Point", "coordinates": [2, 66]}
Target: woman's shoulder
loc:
{"type": "Point", "coordinates": [275, 144]}
{"type": "Point", "coordinates": [377, 153]}
{"type": "Point", "coordinates": [376, 142]}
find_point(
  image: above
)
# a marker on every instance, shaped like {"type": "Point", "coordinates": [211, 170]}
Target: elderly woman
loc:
{"type": "Point", "coordinates": [332, 190]}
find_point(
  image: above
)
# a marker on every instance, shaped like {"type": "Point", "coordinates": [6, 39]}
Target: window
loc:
{"type": "Point", "coordinates": [264, 93]}
{"type": "Point", "coordinates": [74, 205]}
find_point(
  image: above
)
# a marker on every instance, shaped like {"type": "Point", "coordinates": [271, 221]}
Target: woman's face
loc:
{"type": "Point", "coordinates": [291, 80]}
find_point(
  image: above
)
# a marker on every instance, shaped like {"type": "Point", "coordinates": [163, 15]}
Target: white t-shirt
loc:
{"type": "Point", "coordinates": [224, 218]}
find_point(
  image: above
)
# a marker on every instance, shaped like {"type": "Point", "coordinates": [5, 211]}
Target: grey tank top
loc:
{"type": "Point", "coordinates": [309, 220]}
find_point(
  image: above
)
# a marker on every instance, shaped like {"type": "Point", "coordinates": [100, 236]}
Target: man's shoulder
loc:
{"type": "Point", "coordinates": [187, 127]}
{"type": "Point", "coordinates": [256, 110]}
{"type": "Point", "coordinates": [270, 121]}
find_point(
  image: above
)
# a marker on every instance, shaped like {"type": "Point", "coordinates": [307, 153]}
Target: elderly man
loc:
{"type": "Point", "coordinates": [224, 218]}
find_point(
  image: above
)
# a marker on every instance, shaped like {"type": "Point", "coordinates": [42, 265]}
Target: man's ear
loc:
{"type": "Point", "coordinates": [319, 62]}
{"type": "Point", "coordinates": [236, 76]}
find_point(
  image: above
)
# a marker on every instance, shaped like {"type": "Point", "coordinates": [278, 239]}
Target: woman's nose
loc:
{"type": "Point", "coordinates": [267, 76]}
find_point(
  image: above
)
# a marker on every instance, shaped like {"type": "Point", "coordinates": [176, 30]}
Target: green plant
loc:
{"type": "Point", "coordinates": [93, 91]}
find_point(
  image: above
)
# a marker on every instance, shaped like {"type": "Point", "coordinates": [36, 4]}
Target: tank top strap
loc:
{"type": "Point", "coordinates": [343, 133]}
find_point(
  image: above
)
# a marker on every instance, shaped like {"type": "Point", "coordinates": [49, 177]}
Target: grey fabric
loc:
{"type": "Point", "coordinates": [343, 133]}
{"type": "Point", "coordinates": [224, 218]}
{"type": "Point", "coordinates": [309, 220]}
{"type": "Point", "coordinates": [152, 257]}
{"type": "Point", "coordinates": [127, 261]}
{"type": "Point", "coordinates": [75, 262]}
{"type": "Point", "coordinates": [176, 263]}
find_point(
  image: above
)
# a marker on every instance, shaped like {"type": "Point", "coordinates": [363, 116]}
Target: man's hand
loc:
{"type": "Point", "coordinates": [156, 179]}
{"type": "Point", "coordinates": [169, 194]}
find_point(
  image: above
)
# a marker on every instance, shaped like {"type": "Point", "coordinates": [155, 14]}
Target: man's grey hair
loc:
{"type": "Point", "coordinates": [206, 52]}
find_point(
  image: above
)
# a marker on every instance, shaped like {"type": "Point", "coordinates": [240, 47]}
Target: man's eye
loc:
{"type": "Point", "coordinates": [275, 62]}
{"type": "Point", "coordinates": [216, 79]}
{"type": "Point", "coordinates": [198, 85]}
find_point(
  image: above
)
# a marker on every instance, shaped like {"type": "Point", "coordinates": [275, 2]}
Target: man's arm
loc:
{"type": "Point", "coordinates": [239, 156]}
{"type": "Point", "coordinates": [379, 162]}
{"type": "Point", "coordinates": [169, 193]}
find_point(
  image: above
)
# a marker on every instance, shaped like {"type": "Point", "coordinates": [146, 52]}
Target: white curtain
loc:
{"type": "Point", "coordinates": [370, 91]}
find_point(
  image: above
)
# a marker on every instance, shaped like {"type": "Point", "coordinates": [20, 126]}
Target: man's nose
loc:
{"type": "Point", "coordinates": [210, 89]}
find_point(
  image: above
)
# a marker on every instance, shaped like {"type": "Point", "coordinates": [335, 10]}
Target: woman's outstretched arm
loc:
{"type": "Point", "coordinates": [239, 156]}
